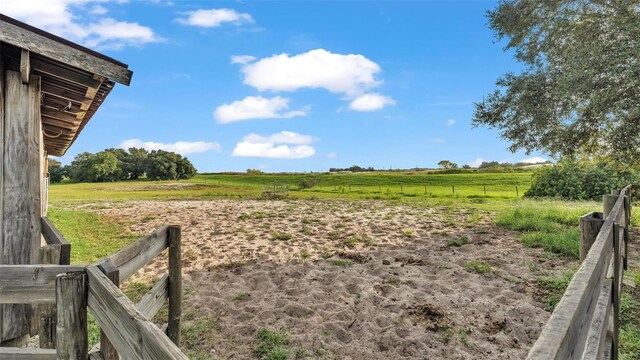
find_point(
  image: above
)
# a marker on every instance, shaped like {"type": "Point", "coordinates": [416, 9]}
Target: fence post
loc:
{"type": "Point", "coordinates": [517, 194]}
{"type": "Point", "coordinates": [484, 187]}
{"type": "Point", "coordinates": [608, 201]}
{"type": "Point", "coordinates": [175, 284]}
{"type": "Point", "coordinates": [453, 189]}
{"type": "Point", "coordinates": [616, 291]}
{"type": "Point", "coordinates": [627, 225]}
{"type": "Point", "coordinates": [71, 329]}
{"type": "Point", "coordinates": [590, 225]}
{"type": "Point", "coordinates": [47, 313]}
{"type": "Point", "coordinates": [107, 349]}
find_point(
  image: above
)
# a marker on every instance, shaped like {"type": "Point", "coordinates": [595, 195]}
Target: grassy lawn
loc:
{"type": "Point", "coordinates": [383, 186]}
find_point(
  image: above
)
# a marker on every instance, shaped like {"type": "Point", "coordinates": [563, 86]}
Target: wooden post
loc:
{"type": "Point", "coordinates": [517, 194]}
{"type": "Point", "coordinates": [453, 189]}
{"type": "Point", "coordinates": [616, 291]}
{"type": "Point", "coordinates": [425, 189]}
{"type": "Point", "coordinates": [590, 225]}
{"type": "Point", "coordinates": [49, 254]}
{"type": "Point", "coordinates": [106, 347]}
{"type": "Point", "coordinates": [485, 189]}
{"type": "Point", "coordinates": [71, 301]}
{"type": "Point", "coordinates": [175, 284]}
{"type": "Point", "coordinates": [19, 188]}
{"type": "Point", "coordinates": [608, 201]}
{"type": "Point", "coordinates": [400, 187]}
{"type": "Point", "coordinates": [349, 187]}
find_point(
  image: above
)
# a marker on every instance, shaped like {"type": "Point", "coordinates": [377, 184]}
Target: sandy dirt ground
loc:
{"type": "Point", "coordinates": [351, 279]}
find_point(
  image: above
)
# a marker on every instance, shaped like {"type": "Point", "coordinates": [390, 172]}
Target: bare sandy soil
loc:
{"type": "Point", "coordinates": [350, 279]}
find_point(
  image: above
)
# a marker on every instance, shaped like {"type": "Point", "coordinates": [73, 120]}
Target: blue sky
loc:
{"type": "Point", "coordinates": [290, 85]}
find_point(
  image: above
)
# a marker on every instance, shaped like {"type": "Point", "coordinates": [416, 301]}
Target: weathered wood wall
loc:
{"type": "Point", "coordinates": [20, 186]}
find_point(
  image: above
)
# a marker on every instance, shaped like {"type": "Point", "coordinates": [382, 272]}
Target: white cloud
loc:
{"type": "Point", "coordinates": [242, 59]}
{"type": "Point", "coordinates": [209, 18]}
{"type": "Point", "coordinates": [66, 18]}
{"type": "Point", "coordinates": [437, 140]}
{"type": "Point", "coordinates": [351, 74]}
{"type": "Point", "coordinates": [180, 147]}
{"type": "Point", "coordinates": [476, 162]}
{"type": "Point", "coordinates": [450, 122]}
{"type": "Point", "coordinates": [104, 32]}
{"type": "Point", "coordinates": [256, 107]}
{"type": "Point", "coordinates": [371, 102]}
{"type": "Point", "coordinates": [534, 160]}
{"type": "Point", "coordinates": [282, 145]}
{"type": "Point", "coordinates": [98, 10]}
{"type": "Point", "coordinates": [332, 155]}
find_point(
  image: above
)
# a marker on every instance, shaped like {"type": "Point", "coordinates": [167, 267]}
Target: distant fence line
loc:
{"type": "Point", "coordinates": [456, 189]}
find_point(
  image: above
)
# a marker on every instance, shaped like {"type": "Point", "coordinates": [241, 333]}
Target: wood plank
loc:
{"type": "Point", "coordinates": [175, 284]}
{"type": "Point", "coordinates": [45, 67]}
{"type": "Point", "coordinates": [115, 314]}
{"type": "Point", "coordinates": [596, 340]}
{"type": "Point", "coordinates": [149, 305]}
{"type": "Point", "coordinates": [135, 256]}
{"type": "Point", "coordinates": [67, 95]}
{"type": "Point", "coordinates": [51, 234]}
{"type": "Point", "coordinates": [153, 300]}
{"type": "Point", "coordinates": [35, 41]}
{"type": "Point", "coordinates": [106, 347]}
{"type": "Point", "coordinates": [49, 254]}
{"type": "Point", "coordinates": [563, 335]}
{"type": "Point", "coordinates": [27, 354]}
{"type": "Point", "coordinates": [2, 122]}
{"type": "Point", "coordinates": [30, 284]}
{"type": "Point", "coordinates": [60, 115]}
{"type": "Point", "coordinates": [71, 309]}
{"type": "Point", "coordinates": [21, 204]}
{"type": "Point", "coordinates": [133, 335]}
{"type": "Point", "coordinates": [25, 66]}
{"type": "Point", "coordinates": [60, 124]}
{"type": "Point", "coordinates": [96, 355]}
{"type": "Point", "coordinates": [157, 346]}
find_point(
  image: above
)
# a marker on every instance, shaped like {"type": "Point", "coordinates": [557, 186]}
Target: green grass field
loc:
{"type": "Point", "coordinates": [385, 186]}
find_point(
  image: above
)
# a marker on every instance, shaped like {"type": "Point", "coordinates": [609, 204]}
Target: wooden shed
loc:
{"type": "Point", "coordinates": [49, 90]}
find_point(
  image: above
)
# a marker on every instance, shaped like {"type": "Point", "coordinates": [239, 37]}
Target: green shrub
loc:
{"type": "Point", "coordinates": [579, 180]}
{"type": "Point", "coordinates": [307, 182]}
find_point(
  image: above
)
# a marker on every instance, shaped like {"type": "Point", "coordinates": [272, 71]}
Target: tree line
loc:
{"type": "Point", "coordinates": [119, 164]}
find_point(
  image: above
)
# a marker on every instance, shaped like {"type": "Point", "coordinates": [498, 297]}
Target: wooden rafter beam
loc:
{"type": "Point", "coordinates": [25, 66]}
{"type": "Point", "coordinates": [53, 47]}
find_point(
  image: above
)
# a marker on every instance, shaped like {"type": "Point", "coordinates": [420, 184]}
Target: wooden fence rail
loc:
{"type": "Point", "coordinates": [584, 324]}
{"type": "Point", "coordinates": [65, 292]}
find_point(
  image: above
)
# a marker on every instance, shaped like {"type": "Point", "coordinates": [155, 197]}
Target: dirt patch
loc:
{"type": "Point", "coordinates": [351, 280]}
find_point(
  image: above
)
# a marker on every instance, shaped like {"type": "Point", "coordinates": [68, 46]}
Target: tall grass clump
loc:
{"type": "Point", "coordinates": [547, 224]}
{"type": "Point", "coordinates": [565, 242]}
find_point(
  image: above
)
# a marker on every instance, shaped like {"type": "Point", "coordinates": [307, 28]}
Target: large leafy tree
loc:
{"type": "Point", "coordinates": [579, 93]}
{"type": "Point", "coordinates": [117, 164]}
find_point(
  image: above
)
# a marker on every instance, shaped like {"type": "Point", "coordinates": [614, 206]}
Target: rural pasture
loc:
{"type": "Point", "coordinates": [331, 273]}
